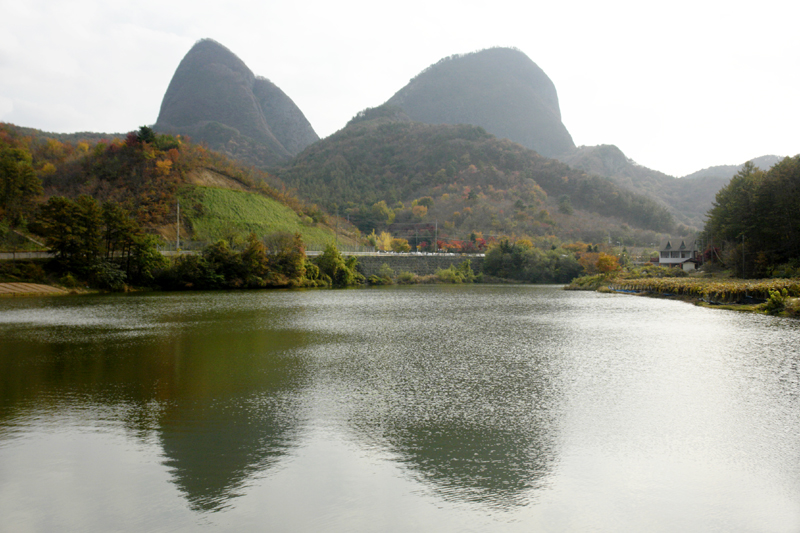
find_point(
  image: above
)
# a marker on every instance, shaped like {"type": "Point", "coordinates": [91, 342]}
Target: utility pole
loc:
{"type": "Point", "coordinates": [743, 275]}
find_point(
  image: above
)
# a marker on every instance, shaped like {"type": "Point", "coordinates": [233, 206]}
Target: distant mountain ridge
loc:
{"type": "Point", "coordinates": [214, 97]}
{"type": "Point", "coordinates": [688, 199]}
{"type": "Point", "coordinates": [765, 162]}
{"type": "Point", "coordinates": [498, 89]}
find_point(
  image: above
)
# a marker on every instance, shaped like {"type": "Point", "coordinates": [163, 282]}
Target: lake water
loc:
{"type": "Point", "coordinates": [430, 408]}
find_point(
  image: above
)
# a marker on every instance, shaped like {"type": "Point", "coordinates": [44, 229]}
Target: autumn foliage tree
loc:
{"type": "Point", "coordinates": [19, 185]}
{"type": "Point", "coordinates": [399, 245]}
{"type": "Point", "coordinates": [607, 264]}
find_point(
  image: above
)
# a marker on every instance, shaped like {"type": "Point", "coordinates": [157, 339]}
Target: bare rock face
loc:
{"type": "Point", "coordinates": [499, 89]}
{"type": "Point", "coordinates": [216, 98]}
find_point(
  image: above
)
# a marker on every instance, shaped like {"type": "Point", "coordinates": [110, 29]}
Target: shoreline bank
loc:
{"type": "Point", "coordinates": [778, 297]}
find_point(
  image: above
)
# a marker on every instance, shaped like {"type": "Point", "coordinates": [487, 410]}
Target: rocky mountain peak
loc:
{"type": "Point", "coordinates": [499, 89]}
{"type": "Point", "coordinates": [215, 97]}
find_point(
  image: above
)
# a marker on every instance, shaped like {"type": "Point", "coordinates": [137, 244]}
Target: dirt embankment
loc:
{"type": "Point", "coordinates": [29, 289]}
{"type": "Point", "coordinates": [209, 178]}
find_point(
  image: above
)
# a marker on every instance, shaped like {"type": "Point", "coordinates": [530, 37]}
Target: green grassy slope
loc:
{"type": "Point", "coordinates": [222, 213]}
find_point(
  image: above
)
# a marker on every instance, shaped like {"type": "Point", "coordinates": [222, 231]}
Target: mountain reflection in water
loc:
{"type": "Point", "coordinates": [467, 411]}
{"type": "Point", "coordinates": [222, 402]}
{"type": "Point", "coordinates": [435, 408]}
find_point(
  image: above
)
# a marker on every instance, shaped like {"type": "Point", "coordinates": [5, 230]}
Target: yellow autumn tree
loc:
{"type": "Point", "coordinates": [384, 241]}
{"type": "Point", "coordinates": [400, 245]}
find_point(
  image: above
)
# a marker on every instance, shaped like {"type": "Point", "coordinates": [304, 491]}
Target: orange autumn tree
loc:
{"type": "Point", "coordinates": [607, 263]}
{"type": "Point", "coordinates": [588, 261]}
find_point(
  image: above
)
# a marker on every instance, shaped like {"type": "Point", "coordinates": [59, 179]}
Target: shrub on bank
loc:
{"type": "Point", "coordinates": [776, 302]}
{"type": "Point", "coordinates": [338, 271]}
{"type": "Point", "coordinates": [407, 278]}
{"type": "Point", "coordinates": [588, 283]}
{"type": "Point", "coordinates": [457, 274]}
{"type": "Point", "coordinates": [22, 271]}
{"type": "Point", "coordinates": [384, 276]}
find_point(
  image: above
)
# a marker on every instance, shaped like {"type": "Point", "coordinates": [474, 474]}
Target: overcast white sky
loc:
{"type": "Point", "coordinates": [678, 86]}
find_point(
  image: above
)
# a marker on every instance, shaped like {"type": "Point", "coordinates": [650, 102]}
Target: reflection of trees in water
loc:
{"type": "Point", "coordinates": [231, 410]}
{"type": "Point", "coordinates": [221, 395]}
{"type": "Point", "coordinates": [474, 420]}
{"type": "Point", "coordinates": [494, 466]}
{"type": "Point", "coordinates": [214, 448]}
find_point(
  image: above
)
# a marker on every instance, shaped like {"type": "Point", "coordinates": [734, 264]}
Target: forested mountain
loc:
{"type": "Point", "coordinates": [103, 209]}
{"type": "Point", "coordinates": [384, 170]}
{"type": "Point", "coordinates": [499, 89]}
{"type": "Point", "coordinates": [727, 171]}
{"type": "Point", "coordinates": [216, 98]}
{"type": "Point", "coordinates": [504, 92]}
{"type": "Point", "coordinates": [41, 137]}
{"type": "Point", "coordinates": [688, 199]}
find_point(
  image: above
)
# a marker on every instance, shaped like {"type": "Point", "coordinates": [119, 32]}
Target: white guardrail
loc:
{"type": "Point", "coordinates": [21, 256]}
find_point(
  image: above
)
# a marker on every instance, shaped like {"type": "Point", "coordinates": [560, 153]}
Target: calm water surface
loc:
{"type": "Point", "coordinates": [435, 408]}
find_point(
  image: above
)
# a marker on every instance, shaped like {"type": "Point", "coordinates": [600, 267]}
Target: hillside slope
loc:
{"type": "Point", "coordinates": [499, 89]}
{"type": "Point", "coordinates": [765, 162]}
{"type": "Point", "coordinates": [146, 174]}
{"type": "Point", "coordinates": [385, 170]}
{"type": "Point", "coordinates": [213, 213]}
{"type": "Point", "coordinates": [216, 98]}
{"type": "Point", "coordinates": [688, 199]}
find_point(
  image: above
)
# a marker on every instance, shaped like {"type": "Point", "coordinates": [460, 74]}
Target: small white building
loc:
{"type": "Point", "coordinates": [683, 255]}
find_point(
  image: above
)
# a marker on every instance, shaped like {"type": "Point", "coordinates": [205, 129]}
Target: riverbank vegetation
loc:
{"type": "Point", "coordinates": [104, 247]}
{"type": "Point", "coordinates": [107, 209]}
{"type": "Point", "coordinates": [524, 262]}
{"type": "Point", "coordinates": [454, 274]}
{"type": "Point", "coordinates": [103, 244]}
{"type": "Point", "coordinates": [752, 233]}
{"type": "Point", "coordinates": [275, 261]}
{"type": "Point", "coordinates": [711, 290]}
{"type": "Point", "coordinates": [773, 296]}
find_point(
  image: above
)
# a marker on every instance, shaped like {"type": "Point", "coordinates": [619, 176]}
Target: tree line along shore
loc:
{"type": "Point", "coordinates": [102, 208]}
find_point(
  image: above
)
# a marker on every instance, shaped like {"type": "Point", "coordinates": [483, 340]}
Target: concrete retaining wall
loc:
{"type": "Point", "coordinates": [24, 256]}
{"type": "Point", "coordinates": [368, 264]}
{"type": "Point", "coordinates": [421, 265]}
